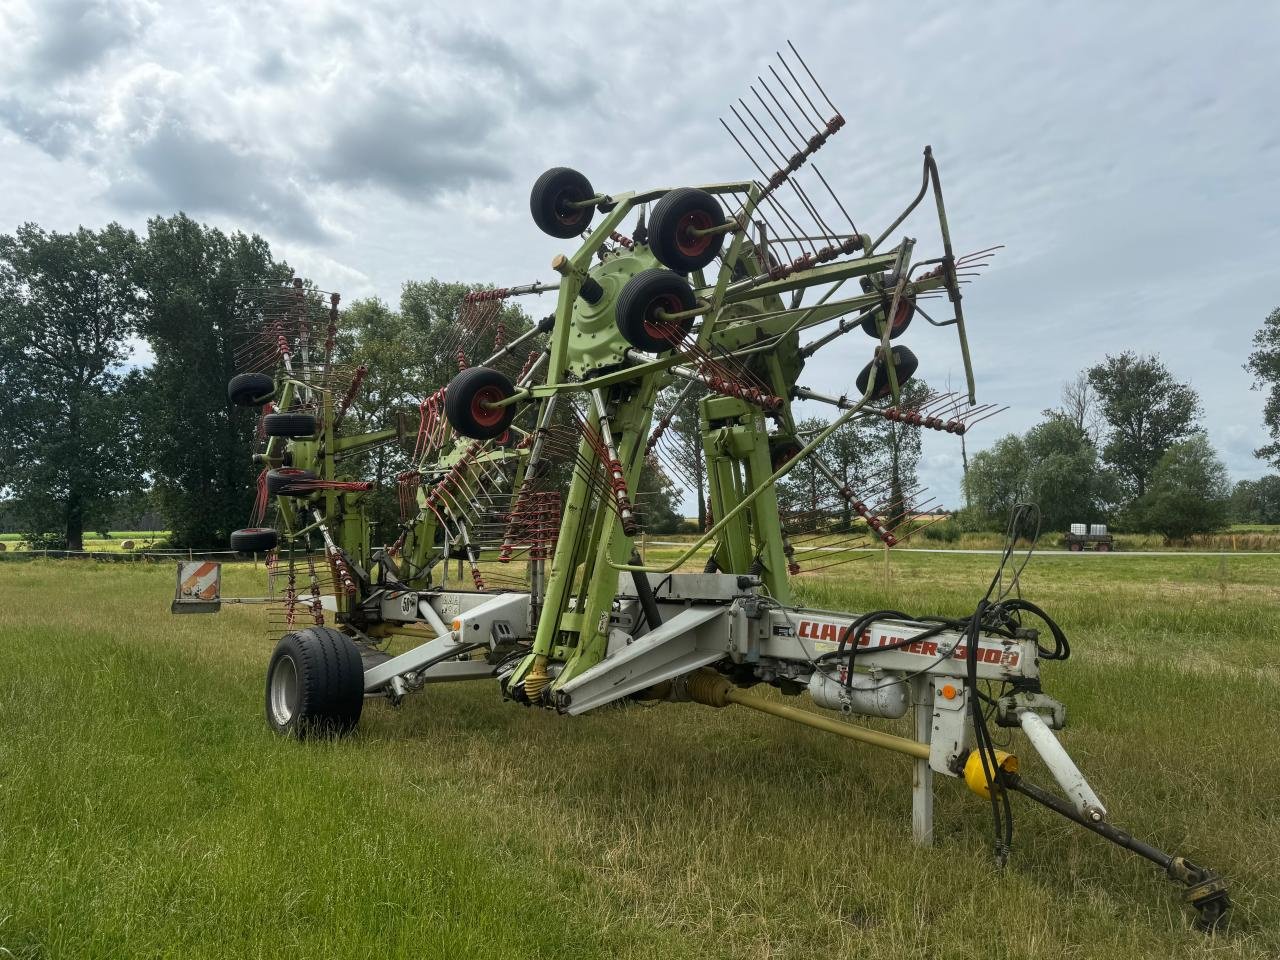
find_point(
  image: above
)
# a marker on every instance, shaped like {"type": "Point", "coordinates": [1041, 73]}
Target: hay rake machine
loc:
{"type": "Point", "coordinates": [719, 296]}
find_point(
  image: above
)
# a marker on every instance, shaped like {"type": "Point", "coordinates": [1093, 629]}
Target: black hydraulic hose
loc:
{"type": "Point", "coordinates": [644, 592]}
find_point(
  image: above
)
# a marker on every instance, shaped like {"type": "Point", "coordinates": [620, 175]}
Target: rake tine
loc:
{"type": "Point", "coordinates": [796, 54]}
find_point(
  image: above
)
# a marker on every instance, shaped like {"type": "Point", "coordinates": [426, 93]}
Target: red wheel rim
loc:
{"type": "Point", "coordinates": [668, 331]}
{"type": "Point", "coordinates": [906, 307]}
{"type": "Point", "coordinates": [784, 455]}
{"type": "Point", "coordinates": [487, 416]}
{"type": "Point", "coordinates": [564, 213]}
{"type": "Point", "coordinates": [689, 243]}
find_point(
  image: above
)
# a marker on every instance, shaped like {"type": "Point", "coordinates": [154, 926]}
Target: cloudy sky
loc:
{"type": "Point", "coordinates": [1126, 155]}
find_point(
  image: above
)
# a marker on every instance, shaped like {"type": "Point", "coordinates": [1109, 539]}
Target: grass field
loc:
{"type": "Point", "coordinates": [148, 812]}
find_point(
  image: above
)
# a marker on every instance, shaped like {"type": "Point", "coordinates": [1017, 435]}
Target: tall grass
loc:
{"type": "Point", "coordinates": [149, 813]}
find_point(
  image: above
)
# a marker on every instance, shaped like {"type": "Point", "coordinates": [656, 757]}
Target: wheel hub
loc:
{"type": "Point", "coordinates": [284, 691]}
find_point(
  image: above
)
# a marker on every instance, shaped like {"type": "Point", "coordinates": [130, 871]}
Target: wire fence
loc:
{"type": "Point", "coordinates": [124, 556]}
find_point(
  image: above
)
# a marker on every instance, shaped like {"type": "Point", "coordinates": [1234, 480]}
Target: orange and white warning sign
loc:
{"type": "Point", "coordinates": [199, 587]}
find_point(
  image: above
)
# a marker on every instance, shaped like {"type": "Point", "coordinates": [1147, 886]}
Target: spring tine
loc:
{"type": "Point", "coordinates": [796, 53]}
{"type": "Point", "coordinates": [818, 174]}
{"type": "Point", "coordinates": [794, 223]}
{"type": "Point", "coordinates": [787, 89]}
{"type": "Point", "coordinates": [987, 416]}
{"type": "Point", "coordinates": [769, 196]}
{"type": "Point", "coordinates": [782, 154]}
{"type": "Point", "coordinates": [781, 110]}
{"type": "Point", "coordinates": [978, 253]}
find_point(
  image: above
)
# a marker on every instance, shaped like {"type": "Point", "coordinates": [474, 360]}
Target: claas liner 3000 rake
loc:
{"type": "Point", "coordinates": [721, 292]}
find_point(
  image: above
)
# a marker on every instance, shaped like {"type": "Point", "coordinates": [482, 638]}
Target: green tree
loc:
{"type": "Point", "coordinates": [1063, 476]}
{"type": "Point", "coordinates": [681, 444]}
{"type": "Point", "coordinates": [658, 500]}
{"type": "Point", "coordinates": [436, 324]}
{"type": "Point", "coordinates": [1264, 364]}
{"type": "Point", "coordinates": [855, 454]}
{"type": "Point", "coordinates": [1189, 492]}
{"type": "Point", "coordinates": [378, 338]}
{"type": "Point", "coordinates": [997, 479]}
{"type": "Point", "coordinates": [900, 446]}
{"type": "Point", "coordinates": [1256, 501]}
{"type": "Point", "coordinates": [805, 492]}
{"type": "Point", "coordinates": [200, 447]}
{"type": "Point", "coordinates": [68, 306]}
{"type": "Point", "coordinates": [1146, 411]}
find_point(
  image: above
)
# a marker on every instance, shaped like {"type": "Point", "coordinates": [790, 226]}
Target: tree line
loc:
{"type": "Point", "coordinates": [93, 433]}
{"type": "Point", "coordinates": [1125, 446]}
{"type": "Point", "coordinates": [90, 436]}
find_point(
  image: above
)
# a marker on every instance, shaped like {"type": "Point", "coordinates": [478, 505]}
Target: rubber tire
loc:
{"type": "Point", "coordinates": [462, 396]}
{"type": "Point", "coordinates": [289, 425]}
{"type": "Point", "coordinates": [902, 320]}
{"type": "Point", "coordinates": [1076, 548]}
{"type": "Point", "coordinates": [280, 483]}
{"type": "Point", "coordinates": [904, 364]}
{"type": "Point", "coordinates": [250, 389]}
{"type": "Point", "coordinates": [254, 540]}
{"type": "Point", "coordinates": [782, 450]}
{"type": "Point", "coordinates": [642, 294]}
{"type": "Point", "coordinates": [330, 684]}
{"type": "Point", "coordinates": [670, 218]}
{"type": "Point", "coordinates": [550, 191]}
{"type": "Point", "coordinates": [1103, 548]}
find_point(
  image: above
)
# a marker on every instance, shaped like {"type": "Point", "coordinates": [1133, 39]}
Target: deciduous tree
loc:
{"type": "Point", "coordinates": [1189, 492]}
{"type": "Point", "coordinates": [1146, 411]}
{"type": "Point", "coordinates": [200, 447]}
{"type": "Point", "coordinates": [68, 306]}
{"type": "Point", "coordinates": [1264, 364]}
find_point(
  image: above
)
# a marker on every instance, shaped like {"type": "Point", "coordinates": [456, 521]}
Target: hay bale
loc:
{"type": "Point", "coordinates": [126, 544]}
{"type": "Point", "coordinates": [3, 548]}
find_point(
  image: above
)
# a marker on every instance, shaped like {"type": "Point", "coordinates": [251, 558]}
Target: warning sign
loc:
{"type": "Point", "coordinates": [199, 587]}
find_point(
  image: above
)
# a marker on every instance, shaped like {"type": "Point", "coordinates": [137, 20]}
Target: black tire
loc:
{"type": "Point", "coordinates": [782, 450]}
{"type": "Point", "coordinates": [548, 201]}
{"type": "Point", "coordinates": [670, 240]}
{"type": "Point", "coordinates": [254, 540]}
{"type": "Point", "coordinates": [464, 401]}
{"type": "Point", "coordinates": [901, 319]}
{"type": "Point", "coordinates": [290, 482]}
{"type": "Point", "coordinates": [904, 365]}
{"type": "Point", "coordinates": [289, 425]}
{"type": "Point", "coordinates": [1075, 548]}
{"type": "Point", "coordinates": [315, 684]}
{"type": "Point", "coordinates": [637, 306]}
{"type": "Point", "coordinates": [250, 389]}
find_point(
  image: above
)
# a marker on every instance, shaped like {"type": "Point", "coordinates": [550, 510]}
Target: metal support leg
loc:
{"type": "Point", "coordinates": [921, 773]}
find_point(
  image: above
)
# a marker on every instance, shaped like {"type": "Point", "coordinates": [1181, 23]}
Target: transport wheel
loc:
{"type": "Point", "coordinates": [901, 319]}
{"type": "Point", "coordinates": [782, 450]}
{"type": "Point", "coordinates": [1104, 548]}
{"type": "Point", "coordinates": [467, 399]}
{"type": "Point", "coordinates": [636, 311]}
{"type": "Point", "coordinates": [254, 540]}
{"type": "Point", "coordinates": [1076, 548]}
{"type": "Point", "coordinates": [904, 365]}
{"type": "Point", "coordinates": [290, 482]}
{"type": "Point", "coordinates": [315, 684]}
{"type": "Point", "coordinates": [550, 198]}
{"type": "Point", "coordinates": [671, 229]}
{"type": "Point", "coordinates": [250, 389]}
{"type": "Point", "coordinates": [289, 425]}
